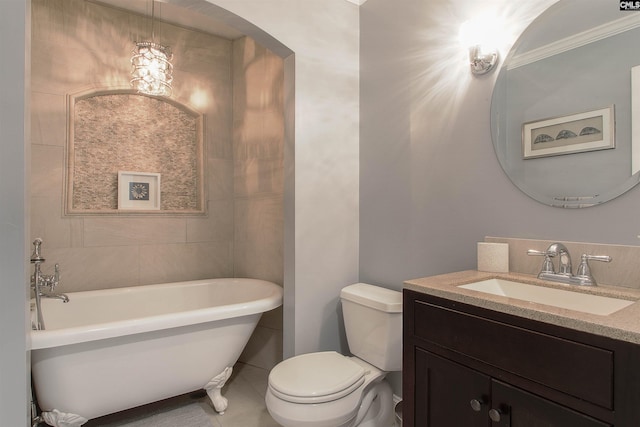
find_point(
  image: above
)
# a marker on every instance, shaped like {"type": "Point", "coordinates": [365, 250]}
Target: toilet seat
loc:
{"type": "Point", "coordinates": [329, 409]}
{"type": "Point", "coordinates": [316, 378]}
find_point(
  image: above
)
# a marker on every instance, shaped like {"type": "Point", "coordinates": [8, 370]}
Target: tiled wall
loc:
{"type": "Point", "coordinates": [623, 270]}
{"type": "Point", "coordinates": [78, 46]}
{"type": "Point", "coordinates": [258, 144]}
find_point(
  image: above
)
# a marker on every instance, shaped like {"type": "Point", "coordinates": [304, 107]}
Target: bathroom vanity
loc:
{"type": "Point", "coordinates": [475, 359]}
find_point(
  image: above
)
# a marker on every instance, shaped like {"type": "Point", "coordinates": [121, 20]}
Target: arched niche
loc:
{"type": "Point", "coordinates": [112, 131]}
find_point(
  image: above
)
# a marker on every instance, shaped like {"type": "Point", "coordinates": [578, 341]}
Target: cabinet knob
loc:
{"type": "Point", "coordinates": [476, 404]}
{"type": "Point", "coordinates": [495, 415]}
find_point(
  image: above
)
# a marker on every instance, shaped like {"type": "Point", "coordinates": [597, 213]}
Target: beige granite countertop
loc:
{"type": "Point", "coordinates": [622, 325]}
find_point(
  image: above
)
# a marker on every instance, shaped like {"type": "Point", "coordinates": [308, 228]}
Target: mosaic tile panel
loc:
{"type": "Point", "coordinates": [130, 132]}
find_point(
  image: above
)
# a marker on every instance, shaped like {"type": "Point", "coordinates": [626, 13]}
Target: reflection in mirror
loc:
{"type": "Point", "coordinates": [573, 63]}
{"type": "Point", "coordinates": [120, 130]}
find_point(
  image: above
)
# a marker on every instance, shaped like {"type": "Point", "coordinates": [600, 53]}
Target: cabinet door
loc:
{"type": "Point", "coordinates": [513, 407]}
{"type": "Point", "coordinates": [444, 392]}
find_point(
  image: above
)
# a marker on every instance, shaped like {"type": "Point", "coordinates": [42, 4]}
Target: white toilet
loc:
{"type": "Point", "coordinates": [327, 389]}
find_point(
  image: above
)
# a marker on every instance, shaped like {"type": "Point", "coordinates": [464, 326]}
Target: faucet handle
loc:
{"type": "Point", "coordinates": [603, 258]}
{"type": "Point", "coordinates": [55, 279]}
{"type": "Point", "coordinates": [547, 264]}
{"type": "Point", "coordinates": [584, 271]}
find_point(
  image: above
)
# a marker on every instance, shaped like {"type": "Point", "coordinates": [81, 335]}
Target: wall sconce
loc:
{"type": "Point", "coordinates": [482, 61]}
{"type": "Point", "coordinates": [479, 36]}
{"type": "Point", "coordinates": [152, 71]}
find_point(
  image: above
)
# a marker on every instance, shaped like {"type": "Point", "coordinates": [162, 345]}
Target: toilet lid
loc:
{"type": "Point", "coordinates": [315, 377]}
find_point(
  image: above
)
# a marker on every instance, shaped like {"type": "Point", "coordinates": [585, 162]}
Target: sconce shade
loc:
{"type": "Point", "coordinates": [152, 71]}
{"type": "Point", "coordinates": [482, 62]}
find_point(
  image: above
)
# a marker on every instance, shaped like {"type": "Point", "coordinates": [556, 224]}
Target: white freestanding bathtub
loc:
{"type": "Point", "coordinates": [109, 350]}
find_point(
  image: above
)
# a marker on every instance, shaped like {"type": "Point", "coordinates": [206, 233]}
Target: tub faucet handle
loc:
{"type": "Point", "coordinates": [53, 280]}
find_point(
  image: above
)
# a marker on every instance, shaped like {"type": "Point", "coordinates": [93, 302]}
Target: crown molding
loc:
{"type": "Point", "coordinates": [577, 40]}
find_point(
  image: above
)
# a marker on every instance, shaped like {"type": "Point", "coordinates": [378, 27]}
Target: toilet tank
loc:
{"type": "Point", "coordinates": [373, 322]}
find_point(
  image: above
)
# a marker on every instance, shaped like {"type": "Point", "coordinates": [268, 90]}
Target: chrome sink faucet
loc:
{"type": "Point", "coordinates": [583, 275]}
{"type": "Point", "coordinates": [564, 258]}
{"type": "Point", "coordinates": [40, 280]}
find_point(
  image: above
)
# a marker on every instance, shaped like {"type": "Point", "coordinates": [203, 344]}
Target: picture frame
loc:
{"type": "Point", "coordinates": [138, 190]}
{"type": "Point", "coordinates": [576, 133]}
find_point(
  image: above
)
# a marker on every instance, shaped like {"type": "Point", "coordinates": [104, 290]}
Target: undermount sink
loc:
{"type": "Point", "coordinates": [586, 303]}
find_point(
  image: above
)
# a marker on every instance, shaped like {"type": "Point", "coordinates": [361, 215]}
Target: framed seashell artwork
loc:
{"type": "Point", "coordinates": [138, 191]}
{"type": "Point", "coordinates": [576, 133]}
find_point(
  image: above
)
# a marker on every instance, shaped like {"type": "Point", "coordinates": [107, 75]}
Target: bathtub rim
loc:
{"type": "Point", "coordinates": [99, 331]}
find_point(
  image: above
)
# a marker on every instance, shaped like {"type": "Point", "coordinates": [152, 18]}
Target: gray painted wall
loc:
{"type": "Point", "coordinates": [430, 184]}
{"type": "Point", "coordinates": [14, 67]}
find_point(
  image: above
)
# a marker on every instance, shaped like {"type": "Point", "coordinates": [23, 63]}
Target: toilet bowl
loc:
{"type": "Point", "coordinates": [328, 389]}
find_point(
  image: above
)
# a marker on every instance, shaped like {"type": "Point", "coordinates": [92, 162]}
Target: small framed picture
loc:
{"type": "Point", "coordinates": [138, 191]}
{"type": "Point", "coordinates": [577, 133]}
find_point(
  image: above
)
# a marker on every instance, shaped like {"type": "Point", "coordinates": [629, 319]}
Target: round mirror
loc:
{"type": "Point", "coordinates": [561, 112]}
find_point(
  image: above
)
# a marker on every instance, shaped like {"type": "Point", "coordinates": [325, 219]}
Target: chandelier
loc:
{"type": "Point", "coordinates": [152, 71]}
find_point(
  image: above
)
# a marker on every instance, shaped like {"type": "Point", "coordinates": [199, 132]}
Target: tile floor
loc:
{"type": "Point", "coordinates": [245, 391]}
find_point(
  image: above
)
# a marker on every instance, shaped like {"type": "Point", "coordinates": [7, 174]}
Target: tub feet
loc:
{"type": "Point", "coordinates": [56, 418]}
{"type": "Point", "coordinates": [214, 390]}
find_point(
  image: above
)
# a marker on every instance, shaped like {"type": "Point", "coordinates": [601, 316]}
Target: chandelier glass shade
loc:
{"type": "Point", "coordinates": [152, 71]}
{"type": "Point", "coordinates": [151, 68]}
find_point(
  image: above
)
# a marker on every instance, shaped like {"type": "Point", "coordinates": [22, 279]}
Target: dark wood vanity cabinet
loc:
{"type": "Point", "coordinates": [465, 366]}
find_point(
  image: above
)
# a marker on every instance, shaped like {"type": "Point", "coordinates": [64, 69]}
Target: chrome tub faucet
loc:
{"type": "Point", "coordinates": [39, 281]}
